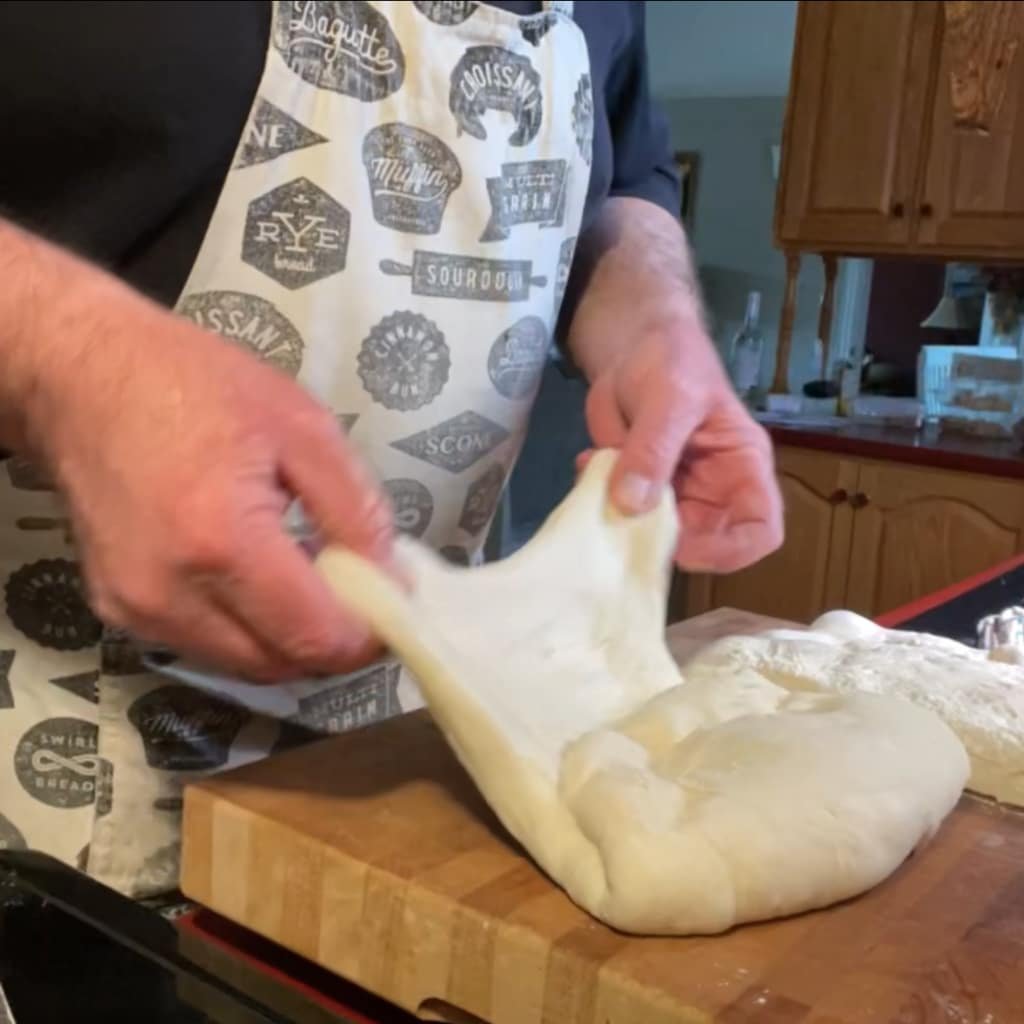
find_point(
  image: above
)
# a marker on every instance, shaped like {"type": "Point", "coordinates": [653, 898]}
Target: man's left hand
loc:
{"type": "Point", "coordinates": [666, 403]}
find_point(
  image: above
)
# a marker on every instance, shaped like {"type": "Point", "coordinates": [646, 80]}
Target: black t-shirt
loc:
{"type": "Point", "coordinates": [119, 121]}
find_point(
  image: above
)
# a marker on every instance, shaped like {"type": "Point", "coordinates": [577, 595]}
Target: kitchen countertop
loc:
{"type": "Point", "coordinates": [926, 447]}
{"type": "Point", "coordinates": [72, 950]}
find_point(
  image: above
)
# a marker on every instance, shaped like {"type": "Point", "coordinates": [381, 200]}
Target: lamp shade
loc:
{"type": "Point", "coordinates": [954, 314]}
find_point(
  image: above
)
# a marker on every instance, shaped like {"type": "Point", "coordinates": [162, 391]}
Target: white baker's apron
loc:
{"type": "Point", "coordinates": [395, 232]}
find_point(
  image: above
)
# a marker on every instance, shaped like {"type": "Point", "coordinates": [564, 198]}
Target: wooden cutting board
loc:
{"type": "Point", "coordinates": [373, 855]}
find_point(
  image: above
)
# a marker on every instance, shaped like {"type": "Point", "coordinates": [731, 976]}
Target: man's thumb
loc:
{"type": "Point", "coordinates": [651, 452]}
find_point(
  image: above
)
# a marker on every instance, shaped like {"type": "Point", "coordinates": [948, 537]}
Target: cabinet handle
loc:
{"type": "Point", "coordinates": [926, 210]}
{"type": "Point", "coordinates": [896, 209]}
{"type": "Point", "coordinates": [838, 497]}
{"type": "Point", "coordinates": [859, 500]}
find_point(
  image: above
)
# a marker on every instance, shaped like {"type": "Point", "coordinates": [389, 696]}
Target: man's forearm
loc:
{"type": "Point", "coordinates": [29, 272]}
{"type": "Point", "coordinates": [633, 267]}
{"type": "Point", "coordinates": [51, 307]}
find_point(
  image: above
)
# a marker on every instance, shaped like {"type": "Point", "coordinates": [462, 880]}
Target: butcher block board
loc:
{"type": "Point", "coordinates": [373, 855]}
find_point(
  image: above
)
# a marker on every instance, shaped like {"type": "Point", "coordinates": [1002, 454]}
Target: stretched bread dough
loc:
{"type": "Point", "coordinates": [979, 694]}
{"type": "Point", "coordinates": [660, 806]}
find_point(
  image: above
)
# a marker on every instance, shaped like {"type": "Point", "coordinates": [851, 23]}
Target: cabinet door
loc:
{"type": "Point", "coordinates": [807, 575]}
{"type": "Point", "coordinates": [972, 202]}
{"type": "Point", "coordinates": [854, 124]}
{"type": "Point", "coordinates": [925, 529]}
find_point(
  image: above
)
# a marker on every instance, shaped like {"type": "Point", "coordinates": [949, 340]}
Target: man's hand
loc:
{"type": "Point", "coordinates": [659, 393]}
{"type": "Point", "coordinates": [669, 408]}
{"type": "Point", "coordinates": [178, 454]}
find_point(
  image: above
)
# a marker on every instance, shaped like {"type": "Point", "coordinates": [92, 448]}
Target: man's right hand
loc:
{"type": "Point", "coordinates": [178, 454]}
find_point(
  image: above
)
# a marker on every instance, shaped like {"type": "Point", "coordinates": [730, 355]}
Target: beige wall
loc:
{"type": "Point", "coordinates": [735, 200]}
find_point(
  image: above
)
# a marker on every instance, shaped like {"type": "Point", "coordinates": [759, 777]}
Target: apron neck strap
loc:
{"type": "Point", "coordinates": [559, 7]}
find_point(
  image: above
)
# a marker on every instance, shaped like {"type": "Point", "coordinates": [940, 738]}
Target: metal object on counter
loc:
{"type": "Point", "coordinates": [1003, 629]}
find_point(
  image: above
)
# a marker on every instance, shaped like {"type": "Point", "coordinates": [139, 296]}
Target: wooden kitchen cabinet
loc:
{"type": "Point", "coordinates": [876, 158]}
{"type": "Point", "coordinates": [870, 536]}
{"type": "Point", "coordinates": [920, 530]}
{"type": "Point", "coordinates": [856, 118]}
{"type": "Point", "coordinates": [809, 571]}
{"type": "Point", "coordinates": [972, 200]}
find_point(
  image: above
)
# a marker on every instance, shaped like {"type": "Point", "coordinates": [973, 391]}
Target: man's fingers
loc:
{"type": "Point", "coordinates": [283, 602]}
{"type": "Point", "coordinates": [207, 635]}
{"type": "Point", "coordinates": [337, 491]}
{"type": "Point", "coordinates": [583, 459]}
{"type": "Point", "coordinates": [273, 590]}
{"type": "Point", "coordinates": [743, 526]}
{"type": "Point", "coordinates": [738, 547]}
{"type": "Point", "coordinates": [605, 422]}
{"type": "Point", "coordinates": [652, 449]}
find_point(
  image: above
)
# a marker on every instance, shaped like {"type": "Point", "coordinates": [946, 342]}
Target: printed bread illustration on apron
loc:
{"type": "Point", "coordinates": [470, 278]}
{"type": "Point", "coordinates": [249, 320]}
{"type": "Point", "coordinates": [272, 133]}
{"type": "Point", "coordinates": [296, 234]}
{"type": "Point", "coordinates": [517, 358]}
{"type": "Point", "coordinates": [404, 362]}
{"type": "Point", "coordinates": [412, 174]}
{"type": "Point", "coordinates": [491, 77]}
{"type": "Point", "coordinates": [395, 233]}
{"type": "Point", "coordinates": [183, 729]}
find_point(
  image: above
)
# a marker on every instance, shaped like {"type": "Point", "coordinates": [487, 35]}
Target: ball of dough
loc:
{"type": "Point", "coordinates": [844, 625]}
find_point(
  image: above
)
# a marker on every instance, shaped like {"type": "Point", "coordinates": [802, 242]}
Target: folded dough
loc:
{"type": "Point", "coordinates": [661, 806]}
{"type": "Point", "coordinates": [978, 694]}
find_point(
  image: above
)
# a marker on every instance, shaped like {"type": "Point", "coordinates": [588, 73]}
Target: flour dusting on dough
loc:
{"type": "Point", "coordinates": [978, 694]}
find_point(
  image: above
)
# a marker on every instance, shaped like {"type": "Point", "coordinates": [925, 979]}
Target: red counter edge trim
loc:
{"type": "Point", "coordinates": [893, 618]}
{"type": "Point", "coordinates": [345, 1014]}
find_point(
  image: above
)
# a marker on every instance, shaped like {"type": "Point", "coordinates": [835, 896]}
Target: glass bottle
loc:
{"type": "Point", "coordinates": [747, 351]}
